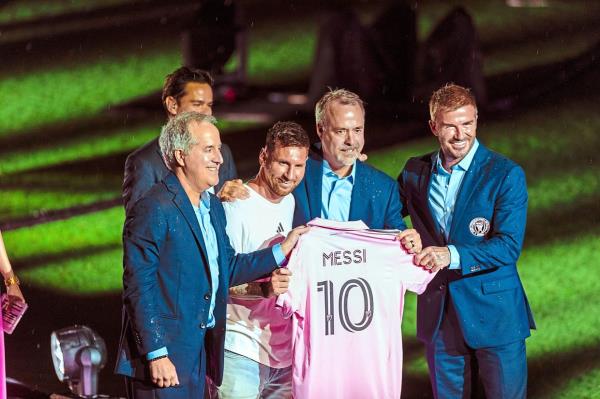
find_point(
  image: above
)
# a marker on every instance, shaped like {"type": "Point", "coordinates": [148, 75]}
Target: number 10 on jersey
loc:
{"type": "Point", "coordinates": [328, 290]}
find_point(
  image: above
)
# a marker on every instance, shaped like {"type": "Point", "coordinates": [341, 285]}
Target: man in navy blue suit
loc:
{"type": "Point", "coordinates": [185, 89]}
{"type": "Point", "coordinates": [337, 185]}
{"type": "Point", "coordinates": [470, 206]}
{"type": "Point", "coordinates": [178, 266]}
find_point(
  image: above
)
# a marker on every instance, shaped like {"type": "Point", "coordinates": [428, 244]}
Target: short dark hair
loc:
{"type": "Point", "coordinates": [175, 82]}
{"type": "Point", "coordinates": [286, 134]}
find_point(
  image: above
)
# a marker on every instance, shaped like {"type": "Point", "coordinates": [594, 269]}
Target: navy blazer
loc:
{"type": "Point", "coordinates": [487, 293]}
{"type": "Point", "coordinates": [145, 167]}
{"type": "Point", "coordinates": [167, 285]}
{"type": "Point", "coordinates": [375, 198]}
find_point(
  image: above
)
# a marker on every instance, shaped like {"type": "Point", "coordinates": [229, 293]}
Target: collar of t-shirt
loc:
{"type": "Point", "coordinates": [212, 249]}
{"type": "Point", "coordinates": [336, 193]}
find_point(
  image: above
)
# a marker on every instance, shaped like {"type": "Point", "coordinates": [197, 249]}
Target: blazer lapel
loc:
{"type": "Point", "coordinates": [182, 202]}
{"type": "Point", "coordinates": [358, 204]}
{"type": "Point", "coordinates": [221, 234]}
{"type": "Point", "coordinates": [424, 181]}
{"type": "Point", "coordinates": [314, 185]}
{"type": "Point", "coordinates": [471, 180]}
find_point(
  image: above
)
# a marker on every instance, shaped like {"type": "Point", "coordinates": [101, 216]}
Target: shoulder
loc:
{"type": "Point", "coordinates": [149, 152]}
{"type": "Point", "coordinates": [417, 163]}
{"type": "Point", "coordinates": [151, 211]}
{"type": "Point", "coordinates": [367, 174]}
{"type": "Point", "coordinates": [157, 197]}
{"type": "Point", "coordinates": [288, 202]}
{"type": "Point", "coordinates": [498, 164]}
{"type": "Point", "coordinates": [240, 205]}
{"type": "Point", "coordinates": [225, 150]}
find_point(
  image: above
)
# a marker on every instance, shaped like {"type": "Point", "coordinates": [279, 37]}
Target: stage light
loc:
{"type": "Point", "coordinates": [78, 354]}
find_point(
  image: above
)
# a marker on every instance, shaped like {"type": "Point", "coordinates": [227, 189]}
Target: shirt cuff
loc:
{"type": "Point", "coordinates": [454, 258]}
{"type": "Point", "coordinates": [157, 353]}
{"type": "Point", "coordinates": [278, 254]}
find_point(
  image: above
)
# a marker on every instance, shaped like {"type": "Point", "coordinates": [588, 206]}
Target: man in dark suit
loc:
{"type": "Point", "coordinates": [470, 206]}
{"type": "Point", "coordinates": [184, 90]}
{"type": "Point", "coordinates": [336, 184]}
{"type": "Point", "coordinates": [178, 266]}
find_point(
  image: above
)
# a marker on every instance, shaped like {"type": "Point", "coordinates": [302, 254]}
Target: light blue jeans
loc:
{"type": "Point", "coordinates": [244, 378]}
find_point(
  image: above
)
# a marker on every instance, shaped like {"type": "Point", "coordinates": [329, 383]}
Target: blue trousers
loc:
{"type": "Point", "coordinates": [454, 367]}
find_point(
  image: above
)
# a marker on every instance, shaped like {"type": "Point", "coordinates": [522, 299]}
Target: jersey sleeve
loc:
{"type": "Point", "coordinates": [414, 278]}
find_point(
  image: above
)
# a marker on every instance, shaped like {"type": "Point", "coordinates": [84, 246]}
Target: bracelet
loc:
{"type": "Point", "coordinates": [12, 280]}
{"type": "Point", "coordinates": [158, 357]}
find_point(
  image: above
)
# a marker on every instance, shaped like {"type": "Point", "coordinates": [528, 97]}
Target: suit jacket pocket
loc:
{"type": "Point", "coordinates": [495, 286]}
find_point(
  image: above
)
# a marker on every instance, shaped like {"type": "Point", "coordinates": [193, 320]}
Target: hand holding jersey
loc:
{"type": "Point", "coordinates": [411, 240]}
{"type": "Point", "coordinates": [433, 258]}
{"type": "Point", "coordinates": [348, 292]}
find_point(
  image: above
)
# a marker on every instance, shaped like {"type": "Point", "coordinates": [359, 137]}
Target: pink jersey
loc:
{"type": "Point", "coordinates": [346, 297]}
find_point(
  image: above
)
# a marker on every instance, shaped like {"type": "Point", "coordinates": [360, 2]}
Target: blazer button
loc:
{"type": "Point", "coordinates": [442, 287]}
{"type": "Point", "coordinates": [207, 296]}
{"type": "Point", "coordinates": [202, 325]}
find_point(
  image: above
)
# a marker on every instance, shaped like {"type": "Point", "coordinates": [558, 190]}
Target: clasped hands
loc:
{"type": "Point", "coordinates": [430, 258]}
{"type": "Point", "coordinates": [433, 258]}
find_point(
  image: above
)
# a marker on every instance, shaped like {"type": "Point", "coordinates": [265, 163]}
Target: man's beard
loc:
{"type": "Point", "coordinates": [347, 159]}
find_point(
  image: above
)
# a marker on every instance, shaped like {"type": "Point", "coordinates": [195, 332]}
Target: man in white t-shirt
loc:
{"type": "Point", "coordinates": [258, 339]}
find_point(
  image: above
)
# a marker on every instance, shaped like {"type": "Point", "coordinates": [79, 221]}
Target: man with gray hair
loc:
{"type": "Point", "coordinates": [178, 265]}
{"type": "Point", "coordinates": [337, 185]}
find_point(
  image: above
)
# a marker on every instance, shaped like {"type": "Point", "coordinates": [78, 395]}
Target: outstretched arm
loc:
{"type": "Point", "coordinates": [11, 281]}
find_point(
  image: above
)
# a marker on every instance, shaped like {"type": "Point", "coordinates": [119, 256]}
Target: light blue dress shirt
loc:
{"type": "Point", "coordinates": [336, 194]}
{"type": "Point", "coordinates": [212, 251]}
{"type": "Point", "coordinates": [443, 191]}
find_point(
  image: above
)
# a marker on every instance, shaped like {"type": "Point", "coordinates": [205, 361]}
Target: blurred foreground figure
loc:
{"type": "Point", "coordinates": [210, 39]}
{"type": "Point", "coordinates": [470, 206]}
{"type": "Point", "coordinates": [452, 53]}
{"type": "Point", "coordinates": [14, 294]}
{"type": "Point", "coordinates": [380, 61]}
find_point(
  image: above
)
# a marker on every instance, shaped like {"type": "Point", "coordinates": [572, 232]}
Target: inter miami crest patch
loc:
{"type": "Point", "coordinates": [479, 227]}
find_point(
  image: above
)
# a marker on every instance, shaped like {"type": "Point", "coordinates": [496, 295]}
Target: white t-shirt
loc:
{"type": "Point", "coordinates": [346, 297]}
{"type": "Point", "coordinates": [255, 327]}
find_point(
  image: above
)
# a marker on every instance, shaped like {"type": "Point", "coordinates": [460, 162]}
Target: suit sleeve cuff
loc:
{"type": "Point", "coordinates": [278, 254]}
{"type": "Point", "coordinates": [454, 258]}
{"type": "Point", "coordinates": [157, 353]}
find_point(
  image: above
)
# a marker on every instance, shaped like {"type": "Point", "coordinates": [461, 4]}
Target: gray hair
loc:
{"type": "Point", "coordinates": [342, 96]}
{"type": "Point", "coordinates": [175, 135]}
